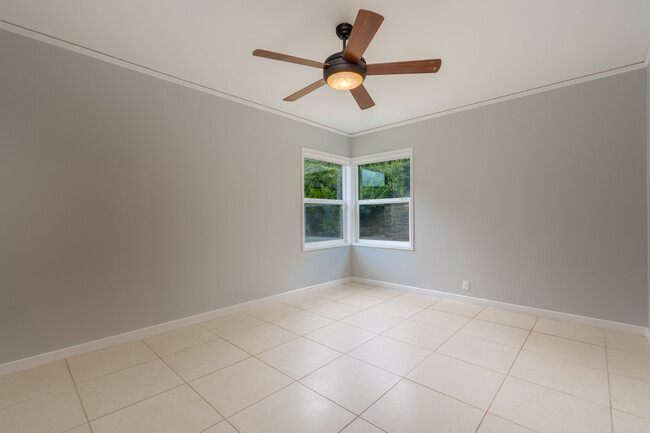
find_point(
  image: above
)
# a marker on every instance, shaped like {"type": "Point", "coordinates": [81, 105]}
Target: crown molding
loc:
{"type": "Point", "coordinates": [515, 95]}
{"type": "Point", "coordinates": [23, 31]}
{"type": "Point", "coordinates": [80, 49]}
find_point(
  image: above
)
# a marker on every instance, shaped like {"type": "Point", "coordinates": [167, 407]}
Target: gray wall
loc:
{"type": "Point", "coordinates": [127, 201]}
{"type": "Point", "coordinates": [538, 201]}
{"type": "Point", "coordinates": [648, 178]}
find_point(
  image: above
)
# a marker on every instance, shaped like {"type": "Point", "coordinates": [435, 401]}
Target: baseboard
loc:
{"type": "Point", "coordinates": [567, 317]}
{"type": "Point", "coordinates": [57, 355]}
{"type": "Point", "coordinates": [67, 352]}
{"type": "Point", "coordinates": [647, 332]}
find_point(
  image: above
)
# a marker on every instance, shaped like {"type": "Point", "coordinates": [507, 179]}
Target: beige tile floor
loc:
{"type": "Point", "coordinates": [352, 359]}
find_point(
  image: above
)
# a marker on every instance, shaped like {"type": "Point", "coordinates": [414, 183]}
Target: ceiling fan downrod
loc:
{"type": "Point", "coordinates": [343, 31]}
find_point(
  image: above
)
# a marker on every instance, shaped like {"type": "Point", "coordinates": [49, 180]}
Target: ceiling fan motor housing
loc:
{"type": "Point", "coordinates": [337, 64]}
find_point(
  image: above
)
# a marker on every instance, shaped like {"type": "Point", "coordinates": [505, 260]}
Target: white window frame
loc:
{"type": "Point", "coordinates": [356, 203]}
{"type": "Point", "coordinates": [345, 165]}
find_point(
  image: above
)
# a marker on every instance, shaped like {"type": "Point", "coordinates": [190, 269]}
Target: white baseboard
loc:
{"type": "Point", "coordinates": [57, 355]}
{"type": "Point", "coordinates": [647, 332]}
{"type": "Point", "coordinates": [67, 352]}
{"type": "Point", "coordinates": [567, 317]}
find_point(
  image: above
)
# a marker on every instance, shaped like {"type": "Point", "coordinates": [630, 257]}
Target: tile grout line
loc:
{"type": "Point", "coordinates": [45, 394]}
{"type": "Point", "coordinates": [186, 348]}
{"type": "Point", "coordinates": [346, 353]}
{"type": "Point", "coordinates": [213, 371]}
{"type": "Point", "coordinates": [464, 361]}
{"type": "Point", "coordinates": [348, 324]}
{"type": "Point", "coordinates": [333, 360]}
{"type": "Point", "coordinates": [569, 338]}
{"type": "Point", "coordinates": [568, 361]}
{"type": "Point", "coordinates": [633, 415]}
{"type": "Point", "coordinates": [139, 401]}
{"type": "Point", "coordinates": [289, 384]}
{"type": "Point", "coordinates": [75, 385]}
{"type": "Point", "coordinates": [300, 335]}
{"type": "Point", "coordinates": [83, 407]}
{"type": "Point", "coordinates": [222, 421]}
{"type": "Point", "coordinates": [252, 404]}
{"type": "Point", "coordinates": [187, 383]}
{"type": "Point", "coordinates": [512, 422]}
{"type": "Point", "coordinates": [251, 355]}
{"type": "Point", "coordinates": [427, 357]}
{"type": "Point", "coordinates": [284, 387]}
{"type": "Point", "coordinates": [499, 323]}
{"type": "Point", "coordinates": [147, 398]}
{"type": "Point", "coordinates": [457, 332]}
{"type": "Point", "coordinates": [609, 387]}
{"type": "Point", "coordinates": [454, 333]}
{"type": "Point", "coordinates": [624, 373]}
{"type": "Point", "coordinates": [402, 378]}
{"type": "Point", "coordinates": [341, 320]}
{"type": "Point", "coordinates": [560, 391]}
{"type": "Point", "coordinates": [197, 393]}
{"type": "Point", "coordinates": [571, 395]}
{"type": "Point", "coordinates": [114, 371]}
{"type": "Point", "coordinates": [358, 417]}
{"type": "Point", "coordinates": [341, 354]}
{"type": "Point", "coordinates": [263, 398]}
{"type": "Point", "coordinates": [401, 320]}
{"type": "Point", "coordinates": [382, 368]}
{"type": "Point", "coordinates": [537, 353]}
{"type": "Point", "coordinates": [434, 351]}
{"type": "Point", "coordinates": [424, 348]}
{"type": "Point", "coordinates": [505, 378]}
{"type": "Point", "coordinates": [272, 347]}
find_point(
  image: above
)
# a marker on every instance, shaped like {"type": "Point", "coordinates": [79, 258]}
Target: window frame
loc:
{"type": "Point", "coordinates": [344, 162]}
{"type": "Point", "coordinates": [356, 203]}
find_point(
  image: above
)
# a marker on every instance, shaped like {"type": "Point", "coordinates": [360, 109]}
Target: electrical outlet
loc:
{"type": "Point", "coordinates": [465, 285]}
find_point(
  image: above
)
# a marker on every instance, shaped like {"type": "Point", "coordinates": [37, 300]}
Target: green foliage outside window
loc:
{"type": "Point", "coordinates": [323, 180]}
{"type": "Point", "coordinates": [387, 179]}
{"type": "Point", "coordinates": [323, 222]}
{"type": "Point", "coordinates": [382, 180]}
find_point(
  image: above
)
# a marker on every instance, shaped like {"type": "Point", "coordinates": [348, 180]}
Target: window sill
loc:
{"type": "Point", "coordinates": [324, 245]}
{"type": "Point", "coordinates": [385, 244]}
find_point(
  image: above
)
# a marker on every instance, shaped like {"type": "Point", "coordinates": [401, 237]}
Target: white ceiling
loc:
{"type": "Point", "coordinates": [489, 49]}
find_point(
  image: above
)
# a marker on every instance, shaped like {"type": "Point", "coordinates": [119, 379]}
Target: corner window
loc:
{"type": "Point", "coordinates": [324, 192]}
{"type": "Point", "coordinates": [366, 201]}
{"type": "Point", "coordinates": [384, 207]}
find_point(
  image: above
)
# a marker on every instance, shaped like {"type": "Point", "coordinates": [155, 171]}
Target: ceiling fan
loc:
{"type": "Point", "coordinates": [347, 69]}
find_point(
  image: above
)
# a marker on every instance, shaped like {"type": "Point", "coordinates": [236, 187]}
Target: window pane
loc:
{"type": "Point", "coordinates": [323, 222]}
{"type": "Point", "coordinates": [323, 180]}
{"type": "Point", "coordinates": [385, 222]}
{"type": "Point", "coordinates": [388, 179]}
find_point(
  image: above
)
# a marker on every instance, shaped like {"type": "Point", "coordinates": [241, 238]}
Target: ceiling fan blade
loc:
{"type": "Point", "coordinates": [364, 29]}
{"type": "Point", "coordinates": [302, 92]}
{"type": "Point", "coordinates": [288, 58]}
{"type": "Point", "coordinates": [413, 67]}
{"type": "Point", "coordinates": [362, 97]}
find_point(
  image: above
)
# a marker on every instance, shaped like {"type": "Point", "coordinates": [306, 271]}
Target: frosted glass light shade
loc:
{"type": "Point", "coordinates": [344, 80]}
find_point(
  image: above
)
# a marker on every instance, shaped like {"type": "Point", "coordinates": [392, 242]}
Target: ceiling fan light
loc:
{"type": "Point", "coordinates": [344, 80]}
{"type": "Point", "coordinates": [341, 74]}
